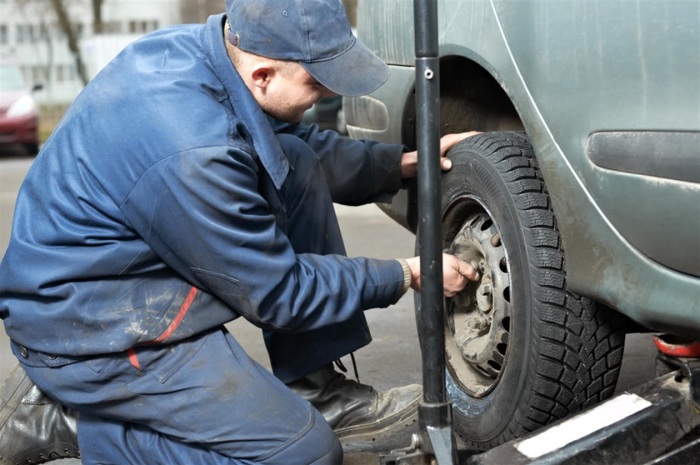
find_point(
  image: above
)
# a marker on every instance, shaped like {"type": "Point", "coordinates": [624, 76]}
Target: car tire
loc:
{"type": "Point", "coordinates": [31, 149]}
{"type": "Point", "coordinates": [521, 350]}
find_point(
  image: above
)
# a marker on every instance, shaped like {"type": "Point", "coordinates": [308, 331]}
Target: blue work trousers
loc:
{"type": "Point", "coordinates": [204, 400]}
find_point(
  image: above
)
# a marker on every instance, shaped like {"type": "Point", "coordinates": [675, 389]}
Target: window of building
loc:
{"type": "Point", "coordinates": [26, 72]}
{"type": "Point", "coordinates": [142, 26]}
{"type": "Point", "coordinates": [65, 73]}
{"type": "Point", "coordinates": [40, 74]}
{"type": "Point", "coordinates": [27, 33]}
{"type": "Point", "coordinates": [43, 32]}
{"type": "Point", "coordinates": [112, 27]}
{"type": "Point", "coordinates": [23, 33]}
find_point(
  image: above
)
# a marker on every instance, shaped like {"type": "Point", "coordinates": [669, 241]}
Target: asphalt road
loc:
{"type": "Point", "coordinates": [393, 358]}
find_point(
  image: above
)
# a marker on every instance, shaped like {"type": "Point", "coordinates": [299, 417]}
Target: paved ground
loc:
{"type": "Point", "coordinates": [394, 357]}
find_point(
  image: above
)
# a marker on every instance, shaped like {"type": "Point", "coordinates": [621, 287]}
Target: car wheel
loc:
{"type": "Point", "coordinates": [521, 350]}
{"type": "Point", "coordinates": [32, 149]}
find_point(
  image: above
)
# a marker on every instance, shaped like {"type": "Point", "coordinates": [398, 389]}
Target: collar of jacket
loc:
{"type": "Point", "coordinates": [256, 122]}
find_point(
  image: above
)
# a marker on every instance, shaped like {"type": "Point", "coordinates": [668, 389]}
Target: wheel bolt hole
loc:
{"type": "Point", "coordinates": [486, 225]}
{"type": "Point", "coordinates": [506, 294]}
{"type": "Point", "coordinates": [495, 240]}
{"type": "Point", "coordinates": [502, 348]}
{"type": "Point", "coordinates": [506, 323]}
{"type": "Point", "coordinates": [503, 265]}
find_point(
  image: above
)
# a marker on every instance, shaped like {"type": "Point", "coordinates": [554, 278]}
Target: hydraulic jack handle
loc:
{"type": "Point", "coordinates": [435, 441]}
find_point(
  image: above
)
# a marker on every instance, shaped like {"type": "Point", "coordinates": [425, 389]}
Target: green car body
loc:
{"type": "Point", "coordinates": [608, 93]}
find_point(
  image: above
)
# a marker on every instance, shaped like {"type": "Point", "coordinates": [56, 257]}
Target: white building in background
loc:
{"type": "Point", "coordinates": [30, 36]}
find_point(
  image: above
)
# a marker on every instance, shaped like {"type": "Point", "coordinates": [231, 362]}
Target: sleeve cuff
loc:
{"type": "Point", "coordinates": [406, 276]}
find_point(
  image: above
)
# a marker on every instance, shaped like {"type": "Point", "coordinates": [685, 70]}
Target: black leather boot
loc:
{"type": "Point", "coordinates": [33, 427]}
{"type": "Point", "coordinates": [364, 419]}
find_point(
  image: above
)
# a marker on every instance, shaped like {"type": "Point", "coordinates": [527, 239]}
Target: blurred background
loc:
{"type": "Point", "coordinates": [50, 49]}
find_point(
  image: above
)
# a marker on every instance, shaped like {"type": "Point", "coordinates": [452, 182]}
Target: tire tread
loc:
{"type": "Point", "coordinates": [579, 349]}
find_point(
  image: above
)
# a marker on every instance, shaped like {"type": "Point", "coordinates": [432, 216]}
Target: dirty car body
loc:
{"type": "Point", "coordinates": [595, 109]}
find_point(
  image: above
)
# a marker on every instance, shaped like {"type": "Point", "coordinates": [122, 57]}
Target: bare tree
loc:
{"type": "Point", "coordinates": [197, 11]}
{"type": "Point", "coordinates": [70, 32]}
{"type": "Point", "coordinates": [31, 12]}
{"type": "Point", "coordinates": [351, 10]}
{"type": "Point", "coordinates": [97, 16]}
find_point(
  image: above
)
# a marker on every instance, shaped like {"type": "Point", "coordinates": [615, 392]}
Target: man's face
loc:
{"type": "Point", "coordinates": [291, 92]}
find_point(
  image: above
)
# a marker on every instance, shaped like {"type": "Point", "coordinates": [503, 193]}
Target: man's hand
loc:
{"type": "Point", "coordinates": [456, 274]}
{"type": "Point", "coordinates": [409, 160]}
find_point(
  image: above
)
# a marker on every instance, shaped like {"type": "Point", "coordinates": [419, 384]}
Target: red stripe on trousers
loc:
{"type": "Point", "coordinates": [180, 315]}
{"type": "Point", "coordinates": [132, 358]}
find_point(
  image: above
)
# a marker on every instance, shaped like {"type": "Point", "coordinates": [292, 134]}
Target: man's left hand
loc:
{"type": "Point", "coordinates": [409, 160]}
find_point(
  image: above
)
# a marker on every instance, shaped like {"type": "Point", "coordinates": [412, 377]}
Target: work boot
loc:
{"type": "Point", "coordinates": [363, 419]}
{"type": "Point", "coordinates": [33, 427]}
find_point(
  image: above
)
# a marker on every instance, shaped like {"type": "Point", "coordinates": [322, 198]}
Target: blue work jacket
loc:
{"type": "Point", "coordinates": [151, 213]}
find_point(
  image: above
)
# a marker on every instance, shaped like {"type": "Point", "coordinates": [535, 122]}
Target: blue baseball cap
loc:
{"type": "Point", "coordinates": [314, 33]}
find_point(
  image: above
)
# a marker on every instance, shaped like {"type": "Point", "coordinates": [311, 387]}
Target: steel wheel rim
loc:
{"type": "Point", "coordinates": [477, 323]}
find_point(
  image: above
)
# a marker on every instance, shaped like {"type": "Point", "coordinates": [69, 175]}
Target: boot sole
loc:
{"type": "Point", "coordinates": [384, 435]}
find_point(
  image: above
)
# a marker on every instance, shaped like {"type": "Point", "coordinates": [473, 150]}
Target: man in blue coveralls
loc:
{"type": "Point", "coordinates": [179, 192]}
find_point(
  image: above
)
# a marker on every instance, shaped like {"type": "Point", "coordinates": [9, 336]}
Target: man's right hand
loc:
{"type": "Point", "coordinates": [456, 274]}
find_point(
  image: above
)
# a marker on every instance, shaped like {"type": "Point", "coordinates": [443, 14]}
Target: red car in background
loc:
{"type": "Point", "coordinates": [19, 114]}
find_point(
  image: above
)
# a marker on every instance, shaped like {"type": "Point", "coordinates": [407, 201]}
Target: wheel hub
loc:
{"type": "Point", "coordinates": [478, 318]}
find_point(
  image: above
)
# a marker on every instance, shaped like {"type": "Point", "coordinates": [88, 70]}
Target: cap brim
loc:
{"type": "Point", "coordinates": [355, 72]}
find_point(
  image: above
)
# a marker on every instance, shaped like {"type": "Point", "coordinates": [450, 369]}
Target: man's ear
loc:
{"type": "Point", "coordinates": [262, 74]}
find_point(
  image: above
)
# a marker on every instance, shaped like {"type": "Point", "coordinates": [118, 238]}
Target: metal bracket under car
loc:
{"type": "Point", "coordinates": [656, 423]}
{"type": "Point", "coordinates": [440, 447]}
{"type": "Point", "coordinates": [677, 353]}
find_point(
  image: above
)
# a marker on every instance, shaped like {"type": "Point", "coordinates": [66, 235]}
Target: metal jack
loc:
{"type": "Point", "coordinates": [435, 441]}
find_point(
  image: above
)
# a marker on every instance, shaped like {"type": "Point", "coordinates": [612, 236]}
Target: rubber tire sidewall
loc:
{"type": "Point", "coordinates": [485, 421]}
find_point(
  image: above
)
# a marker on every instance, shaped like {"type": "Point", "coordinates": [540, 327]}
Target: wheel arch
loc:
{"type": "Point", "coordinates": [471, 99]}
